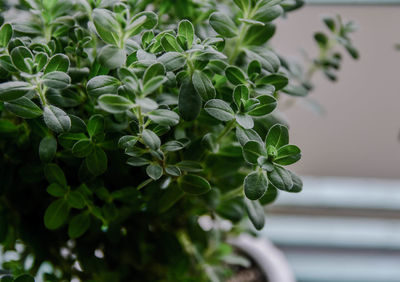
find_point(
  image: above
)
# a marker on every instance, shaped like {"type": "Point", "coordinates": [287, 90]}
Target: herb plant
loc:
{"type": "Point", "coordinates": [123, 122]}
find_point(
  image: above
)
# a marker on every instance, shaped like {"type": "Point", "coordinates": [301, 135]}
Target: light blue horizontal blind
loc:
{"type": "Point", "coordinates": [374, 2]}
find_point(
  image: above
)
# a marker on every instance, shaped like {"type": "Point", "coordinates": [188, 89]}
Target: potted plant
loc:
{"type": "Point", "coordinates": [125, 124]}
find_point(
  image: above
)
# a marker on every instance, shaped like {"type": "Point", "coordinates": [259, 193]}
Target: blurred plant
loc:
{"type": "Point", "coordinates": [140, 125]}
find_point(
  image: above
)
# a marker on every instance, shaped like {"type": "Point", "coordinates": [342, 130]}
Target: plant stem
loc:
{"type": "Point", "coordinates": [226, 130]}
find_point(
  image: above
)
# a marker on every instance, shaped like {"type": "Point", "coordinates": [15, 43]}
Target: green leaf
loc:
{"type": "Point", "coordinates": [330, 23]}
{"type": "Point", "coordinates": [21, 58]}
{"type": "Point", "coordinates": [12, 90]}
{"type": "Point", "coordinates": [189, 103]}
{"type": "Point", "coordinates": [151, 139]}
{"type": "Point", "coordinates": [255, 212]}
{"type": "Point", "coordinates": [54, 174]}
{"type": "Point", "coordinates": [280, 178]}
{"type": "Point", "coordinates": [297, 183]}
{"type": "Point", "coordinates": [190, 166]}
{"type": "Point", "coordinates": [6, 33]}
{"type": "Point", "coordinates": [96, 162]}
{"type": "Point", "coordinates": [78, 225]}
{"type": "Point", "coordinates": [240, 94]}
{"type": "Point", "coordinates": [267, 13]}
{"type": "Point", "coordinates": [24, 278]}
{"type": "Point", "coordinates": [277, 80]}
{"type": "Point", "coordinates": [268, 59]}
{"type": "Point", "coordinates": [235, 75]}
{"type": "Point", "coordinates": [246, 135]}
{"type": "Point", "coordinates": [56, 190]}
{"type": "Point", "coordinates": [56, 214]}
{"type": "Point", "coordinates": [56, 80]}
{"type": "Point", "coordinates": [244, 5]}
{"type": "Point", "coordinates": [296, 90]}
{"type": "Point", "coordinates": [102, 84]}
{"type": "Point", "coordinates": [95, 125]}
{"type": "Point", "coordinates": [259, 35]}
{"type": "Point", "coordinates": [194, 184]}
{"type": "Point", "coordinates": [153, 84]}
{"type": "Point", "coordinates": [252, 150]}
{"type": "Point", "coordinates": [137, 161]}
{"type": "Point", "coordinates": [59, 62]}
{"type": "Point", "coordinates": [114, 104]}
{"type": "Point", "coordinates": [82, 148]}
{"type": "Point", "coordinates": [186, 30]}
{"type": "Point", "coordinates": [255, 185]}
{"type": "Point", "coordinates": [23, 107]}
{"type": "Point", "coordinates": [75, 200]}
{"type": "Point", "coordinates": [107, 25]}
{"type": "Point", "coordinates": [141, 21]}
{"type": "Point", "coordinates": [269, 196]}
{"type": "Point", "coordinates": [267, 105]}
{"type": "Point", "coordinates": [155, 70]}
{"type": "Point", "coordinates": [278, 136]}
{"type": "Point", "coordinates": [223, 25]}
{"type": "Point", "coordinates": [173, 170]}
{"type": "Point", "coordinates": [321, 39]}
{"type": "Point", "coordinates": [287, 155]}
{"type": "Point", "coordinates": [172, 146]}
{"type": "Point", "coordinates": [171, 196]}
{"type": "Point", "coordinates": [112, 57]}
{"type": "Point", "coordinates": [154, 171]}
{"type": "Point", "coordinates": [203, 85]}
{"type": "Point", "coordinates": [172, 61]}
{"type": "Point", "coordinates": [219, 109]}
{"type": "Point", "coordinates": [56, 119]}
{"type": "Point", "coordinates": [47, 149]}
{"type": "Point", "coordinates": [41, 60]}
{"type": "Point", "coordinates": [244, 120]}
{"type": "Point", "coordinates": [164, 117]}
{"type": "Point", "coordinates": [170, 44]}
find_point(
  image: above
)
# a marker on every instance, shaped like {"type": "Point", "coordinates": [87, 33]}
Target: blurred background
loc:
{"type": "Point", "coordinates": [345, 225]}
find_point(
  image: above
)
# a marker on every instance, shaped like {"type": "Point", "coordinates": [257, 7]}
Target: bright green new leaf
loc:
{"type": "Point", "coordinates": [170, 44]}
{"type": "Point", "coordinates": [252, 150]}
{"type": "Point", "coordinates": [255, 184]}
{"type": "Point", "coordinates": [78, 225]}
{"type": "Point", "coordinates": [59, 62]}
{"type": "Point", "coordinates": [47, 149]}
{"type": "Point", "coordinates": [194, 184]}
{"type": "Point", "coordinates": [115, 104]}
{"type": "Point", "coordinates": [223, 25]}
{"type": "Point", "coordinates": [6, 33]}
{"type": "Point", "coordinates": [235, 75]}
{"type": "Point", "coordinates": [22, 59]}
{"type": "Point", "coordinates": [12, 90]}
{"type": "Point", "coordinates": [277, 136]}
{"type": "Point", "coordinates": [255, 212]}
{"type": "Point", "coordinates": [56, 119]}
{"type": "Point", "coordinates": [186, 30]}
{"type": "Point", "coordinates": [56, 214]}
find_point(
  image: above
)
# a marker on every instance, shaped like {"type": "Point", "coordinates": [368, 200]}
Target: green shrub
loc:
{"type": "Point", "coordinates": [124, 122]}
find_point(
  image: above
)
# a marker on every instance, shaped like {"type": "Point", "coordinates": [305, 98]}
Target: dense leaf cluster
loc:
{"type": "Point", "coordinates": [123, 122]}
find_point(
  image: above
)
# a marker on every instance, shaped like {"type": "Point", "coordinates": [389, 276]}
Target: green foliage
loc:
{"type": "Point", "coordinates": [122, 123]}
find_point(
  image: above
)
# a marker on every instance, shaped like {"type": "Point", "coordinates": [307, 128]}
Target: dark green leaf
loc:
{"type": "Point", "coordinates": [223, 25]}
{"type": "Point", "coordinates": [246, 135]}
{"type": "Point", "coordinates": [258, 35]}
{"type": "Point", "coordinates": [155, 70]}
{"type": "Point", "coordinates": [95, 125]}
{"type": "Point", "coordinates": [151, 139]}
{"type": "Point", "coordinates": [102, 84]}
{"type": "Point", "coordinates": [56, 80]}
{"type": "Point", "coordinates": [141, 21]}
{"type": "Point", "coordinates": [280, 178]}
{"type": "Point", "coordinates": [277, 136]}
{"type": "Point", "coordinates": [194, 184]}
{"type": "Point", "coordinates": [277, 80]}
{"type": "Point", "coordinates": [287, 155]}
{"type": "Point", "coordinates": [164, 117]}
{"type": "Point", "coordinates": [107, 26]}
{"type": "Point", "coordinates": [203, 85]}
{"type": "Point", "coordinates": [235, 75]}
{"type": "Point", "coordinates": [172, 61]}
{"type": "Point", "coordinates": [23, 107]}
{"type": "Point", "coordinates": [24, 278]}
{"type": "Point", "coordinates": [321, 39]}
{"type": "Point", "coordinates": [54, 174]}
{"type": "Point", "coordinates": [219, 109]}
{"type": "Point", "coordinates": [12, 90]}
{"type": "Point", "coordinates": [153, 84]}
{"type": "Point", "coordinates": [190, 166]}
{"type": "Point", "coordinates": [82, 148]}
{"type": "Point", "coordinates": [267, 13]}
{"type": "Point", "coordinates": [56, 190]}
{"type": "Point", "coordinates": [96, 162]}
{"type": "Point", "coordinates": [244, 120]}
{"type": "Point", "coordinates": [296, 90]}
{"type": "Point", "coordinates": [75, 200]}
{"type": "Point", "coordinates": [297, 183]}
{"type": "Point", "coordinates": [189, 104]}
{"type": "Point", "coordinates": [267, 105]}
{"type": "Point", "coordinates": [115, 104]}
{"type": "Point", "coordinates": [255, 185]}
{"type": "Point", "coordinates": [268, 59]}
{"type": "Point", "coordinates": [169, 43]}
{"type": "Point", "coordinates": [59, 62]}
{"type": "Point", "coordinates": [6, 33]}
{"type": "Point", "coordinates": [252, 150]}
{"type": "Point", "coordinates": [269, 196]}
{"type": "Point", "coordinates": [256, 213]}
{"type": "Point", "coordinates": [78, 225]}
{"type": "Point", "coordinates": [186, 30]}
{"type": "Point", "coordinates": [56, 214]}
{"type": "Point", "coordinates": [56, 119]}
{"type": "Point", "coordinates": [21, 58]}
{"type": "Point", "coordinates": [47, 149]}
{"type": "Point", "coordinates": [173, 170]}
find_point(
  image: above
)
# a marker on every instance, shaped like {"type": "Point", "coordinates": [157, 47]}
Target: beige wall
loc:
{"type": "Point", "coordinates": [358, 135]}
